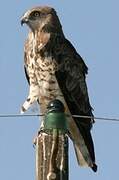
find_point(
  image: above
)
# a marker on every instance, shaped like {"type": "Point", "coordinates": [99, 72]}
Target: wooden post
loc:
{"type": "Point", "coordinates": [52, 145]}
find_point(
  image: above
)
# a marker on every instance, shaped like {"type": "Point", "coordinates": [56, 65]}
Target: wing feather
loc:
{"type": "Point", "coordinates": [71, 77]}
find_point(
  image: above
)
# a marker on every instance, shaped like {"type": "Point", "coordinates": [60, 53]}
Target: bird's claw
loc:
{"type": "Point", "coordinates": [35, 138]}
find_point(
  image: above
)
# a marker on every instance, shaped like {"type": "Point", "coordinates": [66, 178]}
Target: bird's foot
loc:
{"type": "Point", "coordinates": [37, 135]}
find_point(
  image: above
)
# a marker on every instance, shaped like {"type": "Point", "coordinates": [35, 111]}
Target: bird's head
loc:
{"type": "Point", "coordinates": [41, 17]}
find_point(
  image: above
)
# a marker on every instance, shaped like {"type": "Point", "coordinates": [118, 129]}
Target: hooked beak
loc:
{"type": "Point", "coordinates": [24, 20]}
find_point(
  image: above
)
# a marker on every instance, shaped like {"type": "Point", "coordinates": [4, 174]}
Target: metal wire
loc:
{"type": "Point", "coordinates": [98, 118]}
{"type": "Point", "coordinates": [19, 115]}
{"type": "Point", "coordinates": [37, 115]}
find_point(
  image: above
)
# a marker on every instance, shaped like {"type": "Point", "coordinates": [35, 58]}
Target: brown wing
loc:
{"type": "Point", "coordinates": [27, 77]}
{"type": "Point", "coordinates": [71, 79]}
{"type": "Point", "coordinates": [26, 58]}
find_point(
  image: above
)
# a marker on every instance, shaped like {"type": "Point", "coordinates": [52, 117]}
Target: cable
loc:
{"type": "Point", "coordinates": [98, 118]}
{"type": "Point", "coordinates": [19, 115]}
{"type": "Point", "coordinates": [37, 115]}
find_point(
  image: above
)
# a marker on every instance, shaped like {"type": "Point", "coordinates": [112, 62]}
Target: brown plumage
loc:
{"type": "Point", "coordinates": [56, 71]}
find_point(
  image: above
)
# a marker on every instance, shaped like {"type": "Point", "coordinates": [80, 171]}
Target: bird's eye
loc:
{"type": "Point", "coordinates": [36, 14]}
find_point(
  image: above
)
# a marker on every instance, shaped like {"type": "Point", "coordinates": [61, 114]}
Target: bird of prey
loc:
{"type": "Point", "coordinates": [55, 70]}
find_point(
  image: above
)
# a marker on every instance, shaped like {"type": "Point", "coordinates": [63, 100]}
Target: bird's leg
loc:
{"type": "Point", "coordinates": [33, 96]}
{"type": "Point", "coordinates": [43, 109]}
{"type": "Point", "coordinates": [43, 106]}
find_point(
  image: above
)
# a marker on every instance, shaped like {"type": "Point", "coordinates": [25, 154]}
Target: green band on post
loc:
{"type": "Point", "coordinates": [55, 120]}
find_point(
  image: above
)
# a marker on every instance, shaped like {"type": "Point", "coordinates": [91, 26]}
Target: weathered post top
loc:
{"type": "Point", "coordinates": [52, 145]}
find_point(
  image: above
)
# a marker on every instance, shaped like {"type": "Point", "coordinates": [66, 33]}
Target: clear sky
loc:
{"type": "Point", "coordinates": [93, 28]}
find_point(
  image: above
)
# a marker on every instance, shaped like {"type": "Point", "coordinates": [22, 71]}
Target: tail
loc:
{"type": "Point", "coordinates": [83, 156]}
{"type": "Point", "coordinates": [84, 148]}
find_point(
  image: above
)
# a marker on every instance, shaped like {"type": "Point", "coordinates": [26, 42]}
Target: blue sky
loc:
{"type": "Point", "coordinates": [92, 26]}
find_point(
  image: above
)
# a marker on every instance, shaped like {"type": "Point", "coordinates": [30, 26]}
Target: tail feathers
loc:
{"type": "Point", "coordinates": [94, 167]}
{"type": "Point", "coordinates": [83, 154]}
{"type": "Point", "coordinates": [84, 146]}
{"type": "Point", "coordinates": [83, 157]}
